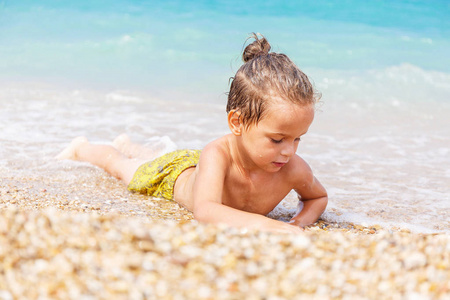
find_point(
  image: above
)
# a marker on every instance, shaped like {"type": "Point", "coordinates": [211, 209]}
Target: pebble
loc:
{"type": "Point", "coordinates": [59, 255]}
{"type": "Point", "coordinates": [74, 245]}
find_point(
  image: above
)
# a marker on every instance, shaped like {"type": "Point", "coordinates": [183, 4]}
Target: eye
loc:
{"type": "Point", "coordinates": [276, 141]}
{"type": "Point", "coordinates": [297, 140]}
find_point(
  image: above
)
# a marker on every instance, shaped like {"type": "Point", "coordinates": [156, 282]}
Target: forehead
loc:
{"type": "Point", "coordinates": [284, 117]}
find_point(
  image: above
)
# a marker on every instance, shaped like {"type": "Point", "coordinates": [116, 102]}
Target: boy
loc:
{"type": "Point", "coordinates": [239, 178]}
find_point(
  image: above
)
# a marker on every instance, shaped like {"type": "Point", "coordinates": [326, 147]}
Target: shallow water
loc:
{"type": "Point", "coordinates": [380, 141]}
{"type": "Point", "coordinates": [380, 162]}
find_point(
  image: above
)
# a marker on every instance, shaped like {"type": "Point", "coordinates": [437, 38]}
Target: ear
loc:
{"type": "Point", "coordinates": [235, 122]}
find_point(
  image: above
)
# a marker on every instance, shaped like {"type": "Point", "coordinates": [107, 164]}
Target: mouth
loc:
{"type": "Point", "coordinates": [279, 164]}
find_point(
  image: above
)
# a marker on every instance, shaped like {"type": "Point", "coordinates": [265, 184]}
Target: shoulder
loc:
{"type": "Point", "coordinates": [303, 181]}
{"type": "Point", "coordinates": [216, 153]}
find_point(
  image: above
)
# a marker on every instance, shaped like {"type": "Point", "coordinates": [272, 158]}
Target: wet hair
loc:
{"type": "Point", "coordinates": [264, 76]}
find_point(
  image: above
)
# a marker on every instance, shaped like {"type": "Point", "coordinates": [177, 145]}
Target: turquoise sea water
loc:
{"type": "Point", "coordinates": [177, 44]}
{"type": "Point", "coordinates": [159, 70]}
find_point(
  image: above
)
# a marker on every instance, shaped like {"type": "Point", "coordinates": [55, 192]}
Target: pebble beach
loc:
{"type": "Point", "coordinates": [84, 243]}
{"type": "Point", "coordinates": [160, 72]}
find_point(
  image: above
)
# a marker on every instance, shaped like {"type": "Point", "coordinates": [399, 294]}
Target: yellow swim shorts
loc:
{"type": "Point", "coordinates": [157, 177]}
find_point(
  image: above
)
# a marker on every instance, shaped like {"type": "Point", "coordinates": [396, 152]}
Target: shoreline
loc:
{"type": "Point", "coordinates": [67, 246]}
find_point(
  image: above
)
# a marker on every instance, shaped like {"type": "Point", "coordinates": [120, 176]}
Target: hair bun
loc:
{"type": "Point", "coordinates": [259, 47]}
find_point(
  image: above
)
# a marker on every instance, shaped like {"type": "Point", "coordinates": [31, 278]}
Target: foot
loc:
{"type": "Point", "coordinates": [122, 143]}
{"type": "Point", "coordinates": [71, 151]}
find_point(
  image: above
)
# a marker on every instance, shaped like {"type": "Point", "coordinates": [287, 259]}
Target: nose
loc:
{"type": "Point", "coordinates": [288, 150]}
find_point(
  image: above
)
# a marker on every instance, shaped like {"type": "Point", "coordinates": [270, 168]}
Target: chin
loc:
{"type": "Point", "coordinates": [273, 169]}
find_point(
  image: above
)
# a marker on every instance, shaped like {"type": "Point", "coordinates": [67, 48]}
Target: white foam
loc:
{"type": "Point", "coordinates": [121, 97]}
{"type": "Point", "coordinates": [162, 144]}
{"type": "Point", "coordinates": [359, 219]}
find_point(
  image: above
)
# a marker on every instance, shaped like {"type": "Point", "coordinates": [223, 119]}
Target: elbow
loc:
{"type": "Point", "coordinates": [201, 213]}
{"type": "Point", "coordinates": [320, 204]}
{"type": "Point", "coordinates": [324, 202]}
{"type": "Point", "coordinates": [208, 212]}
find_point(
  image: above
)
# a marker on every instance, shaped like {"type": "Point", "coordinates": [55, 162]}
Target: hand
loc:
{"type": "Point", "coordinates": [297, 223]}
{"type": "Point", "coordinates": [282, 227]}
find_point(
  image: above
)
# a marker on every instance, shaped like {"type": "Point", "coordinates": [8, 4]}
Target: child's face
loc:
{"type": "Point", "coordinates": [274, 140]}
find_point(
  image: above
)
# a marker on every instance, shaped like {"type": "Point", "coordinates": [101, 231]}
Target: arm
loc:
{"type": "Point", "coordinates": [312, 210]}
{"type": "Point", "coordinates": [217, 213]}
{"type": "Point", "coordinates": [314, 198]}
{"type": "Point", "coordinates": [208, 191]}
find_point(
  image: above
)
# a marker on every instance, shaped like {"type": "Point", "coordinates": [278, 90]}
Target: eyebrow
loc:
{"type": "Point", "coordinates": [282, 134]}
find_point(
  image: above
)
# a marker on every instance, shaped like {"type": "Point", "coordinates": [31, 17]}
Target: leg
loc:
{"type": "Point", "coordinates": [103, 156]}
{"type": "Point", "coordinates": [133, 150]}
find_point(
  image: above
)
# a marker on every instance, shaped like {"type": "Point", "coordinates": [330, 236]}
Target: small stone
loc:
{"type": "Point", "coordinates": [415, 260]}
{"type": "Point", "coordinates": [301, 241]}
